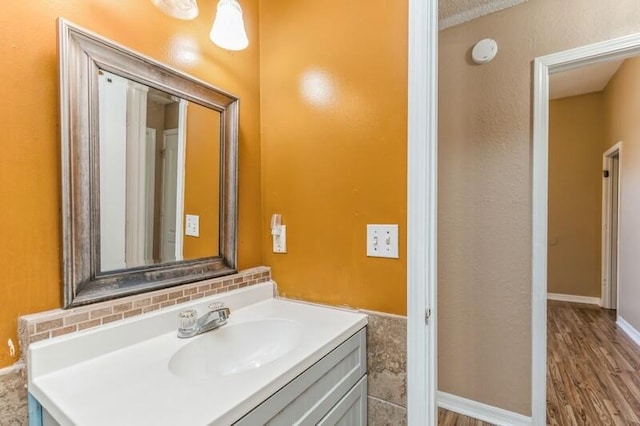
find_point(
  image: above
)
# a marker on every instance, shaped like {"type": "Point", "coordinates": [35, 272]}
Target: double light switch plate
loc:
{"type": "Point", "coordinates": [382, 241]}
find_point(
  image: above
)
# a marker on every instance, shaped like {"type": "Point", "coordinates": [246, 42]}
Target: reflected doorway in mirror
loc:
{"type": "Point", "coordinates": [143, 180]}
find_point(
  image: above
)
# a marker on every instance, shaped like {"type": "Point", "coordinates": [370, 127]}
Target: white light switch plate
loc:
{"type": "Point", "coordinates": [192, 225]}
{"type": "Point", "coordinates": [382, 241]}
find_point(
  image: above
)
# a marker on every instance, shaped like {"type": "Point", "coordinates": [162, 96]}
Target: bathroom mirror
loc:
{"type": "Point", "coordinates": [149, 172]}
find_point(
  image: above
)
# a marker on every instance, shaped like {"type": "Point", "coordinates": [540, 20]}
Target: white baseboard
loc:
{"type": "Point", "coordinates": [629, 329]}
{"type": "Point", "coordinates": [574, 299]}
{"type": "Point", "coordinates": [480, 411]}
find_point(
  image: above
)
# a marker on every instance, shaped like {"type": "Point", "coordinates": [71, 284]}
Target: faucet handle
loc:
{"type": "Point", "coordinates": [216, 306]}
{"type": "Point", "coordinates": [222, 311]}
{"type": "Point", "coordinates": [188, 319]}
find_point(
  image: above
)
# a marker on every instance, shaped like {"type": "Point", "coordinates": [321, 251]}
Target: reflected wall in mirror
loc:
{"type": "Point", "coordinates": [149, 172]}
{"type": "Point", "coordinates": [159, 165]}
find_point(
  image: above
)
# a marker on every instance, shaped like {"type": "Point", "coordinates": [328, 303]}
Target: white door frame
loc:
{"type": "Point", "coordinates": [180, 187]}
{"type": "Point", "coordinates": [607, 202]}
{"type": "Point", "coordinates": [422, 191]}
{"type": "Point", "coordinates": [149, 197]}
{"type": "Point", "coordinates": [136, 161]}
{"type": "Point", "coordinates": [615, 49]}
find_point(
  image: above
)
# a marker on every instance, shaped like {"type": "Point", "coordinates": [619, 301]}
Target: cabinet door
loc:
{"type": "Point", "coordinates": [351, 410]}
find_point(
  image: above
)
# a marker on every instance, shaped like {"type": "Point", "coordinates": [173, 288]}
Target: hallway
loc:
{"type": "Point", "coordinates": [592, 370]}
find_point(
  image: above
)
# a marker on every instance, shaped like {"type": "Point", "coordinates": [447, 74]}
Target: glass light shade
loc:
{"type": "Point", "coordinates": [228, 27]}
{"type": "Point", "coordinates": [181, 9]}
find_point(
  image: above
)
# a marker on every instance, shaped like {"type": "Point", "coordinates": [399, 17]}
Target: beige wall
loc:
{"type": "Point", "coordinates": [156, 120]}
{"type": "Point", "coordinates": [576, 137]}
{"type": "Point", "coordinates": [622, 109]}
{"type": "Point", "coordinates": [485, 190]}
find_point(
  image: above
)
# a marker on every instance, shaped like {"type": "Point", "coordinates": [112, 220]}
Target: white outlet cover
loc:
{"type": "Point", "coordinates": [192, 225]}
{"type": "Point", "coordinates": [280, 241]}
{"type": "Point", "coordinates": [382, 241]}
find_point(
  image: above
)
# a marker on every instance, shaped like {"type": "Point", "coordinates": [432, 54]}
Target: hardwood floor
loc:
{"type": "Point", "coordinates": [593, 370]}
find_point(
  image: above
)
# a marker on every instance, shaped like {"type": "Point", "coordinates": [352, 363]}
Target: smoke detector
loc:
{"type": "Point", "coordinates": [484, 51]}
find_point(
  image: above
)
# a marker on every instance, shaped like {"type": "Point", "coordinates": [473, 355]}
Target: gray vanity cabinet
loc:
{"type": "Point", "coordinates": [333, 391]}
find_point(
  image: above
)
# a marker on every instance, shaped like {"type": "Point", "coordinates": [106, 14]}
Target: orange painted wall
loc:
{"type": "Point", "coordinates": [30, 242]}
{"type": "Point", "coordinates": [334, 113]}
{"type": "Point", "coordinates": [202, 180]}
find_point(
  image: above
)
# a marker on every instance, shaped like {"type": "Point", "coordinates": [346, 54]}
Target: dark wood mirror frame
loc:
{"type": "Point", "coordinates": [81, 55]}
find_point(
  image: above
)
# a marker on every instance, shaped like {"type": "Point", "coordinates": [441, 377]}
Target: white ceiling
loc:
{"type": "Point", "coordinates": [583, 80]}
{"type": "Point", "coordinates": [455, 12]}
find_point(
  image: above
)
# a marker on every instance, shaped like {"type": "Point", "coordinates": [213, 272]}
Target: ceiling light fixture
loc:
{"type": "Point", "coordinates": [181, 9]}
{"type": "Point", "coordinates": [228, 27]}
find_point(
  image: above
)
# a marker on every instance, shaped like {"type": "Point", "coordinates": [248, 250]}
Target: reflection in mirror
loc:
{"type": "Point", "coordinates": [159, 169]}
{"type": "Point", "coordinates": [149, 172]}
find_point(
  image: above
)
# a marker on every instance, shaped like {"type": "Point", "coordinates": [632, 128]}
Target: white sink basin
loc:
{"type": "Point", "coordinates": [211, 379]}
{"type": "Point", "coordinates": [236, 348]}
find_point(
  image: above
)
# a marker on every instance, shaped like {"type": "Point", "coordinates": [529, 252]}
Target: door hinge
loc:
{"type": "Point", "coordinates": [427, 316]}
{"type": "Point", "coordinates": [605, 173]}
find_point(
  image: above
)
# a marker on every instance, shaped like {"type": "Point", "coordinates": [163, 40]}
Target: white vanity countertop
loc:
{"type": "Point", "coordinates": [119, 374]}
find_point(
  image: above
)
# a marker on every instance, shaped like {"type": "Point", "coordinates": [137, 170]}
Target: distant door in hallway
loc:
{"type": "Point", "coordinates": [610, 225]}
{"type": "Point", "coordinates": [168, 214]}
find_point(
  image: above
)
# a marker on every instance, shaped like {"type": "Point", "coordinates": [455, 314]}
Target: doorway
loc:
{"type": "Point", "coordinates": [169, 194]}
{"type": "Point", "coordinates": [610, 225]}
{"type": "Point", "coordinates": [615, 49]}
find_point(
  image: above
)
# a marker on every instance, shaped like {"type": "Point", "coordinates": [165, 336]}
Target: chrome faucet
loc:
{"type": "Point", "coordinates": [191, 325]}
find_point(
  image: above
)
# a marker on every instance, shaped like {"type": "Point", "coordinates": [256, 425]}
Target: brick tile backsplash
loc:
{"type": "Point", "coordinates": [76, 318]}
{"type": "Point", "coordinates": [45, 325]}
{"type": "Point", "coordinates": [49, 325]}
